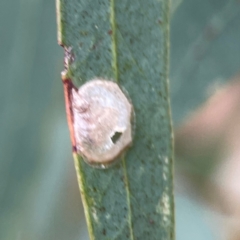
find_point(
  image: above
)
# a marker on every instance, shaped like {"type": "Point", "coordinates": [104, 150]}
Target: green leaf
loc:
{"type": "Point", "coordinates": [128, 42]}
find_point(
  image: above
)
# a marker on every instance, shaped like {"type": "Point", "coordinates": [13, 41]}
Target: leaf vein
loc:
{"type": "Point", "coordinates": [114, 39]}
{"type": "Point", "coordinates": [128, 199]}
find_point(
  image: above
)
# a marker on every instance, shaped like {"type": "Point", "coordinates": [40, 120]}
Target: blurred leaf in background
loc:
{"type": "Point", "coordinates": [39, 197]}
{"type": "Point", "coordinates": [205, 105]}
{"type": "Point", "coordinates": [38, 190]}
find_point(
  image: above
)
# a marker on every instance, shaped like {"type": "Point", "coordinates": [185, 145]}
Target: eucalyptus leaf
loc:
{"type": "Point", "coordinates": [127, 42]}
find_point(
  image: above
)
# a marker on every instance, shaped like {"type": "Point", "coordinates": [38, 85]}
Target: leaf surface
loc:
{"type": "Point", "coordinates": [127, 42]}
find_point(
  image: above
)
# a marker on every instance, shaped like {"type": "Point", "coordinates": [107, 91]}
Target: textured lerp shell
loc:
{"type": "Point", "coordinates": [102, 121]}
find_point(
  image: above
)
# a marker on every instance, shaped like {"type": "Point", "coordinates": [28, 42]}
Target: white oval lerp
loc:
{"type": "Point", "coordinates": [102, 117]}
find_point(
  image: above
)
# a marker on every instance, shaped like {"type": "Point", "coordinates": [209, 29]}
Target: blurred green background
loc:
{"type": "Point", "coordinates": [39, 196]}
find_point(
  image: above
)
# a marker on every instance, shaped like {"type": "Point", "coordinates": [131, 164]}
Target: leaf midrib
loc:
{"type": "Point", "coordinates": [115, 72]}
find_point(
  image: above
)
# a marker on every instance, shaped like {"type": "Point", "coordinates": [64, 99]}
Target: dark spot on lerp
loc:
{"type": "Point", "coordinates": [116, 137]}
